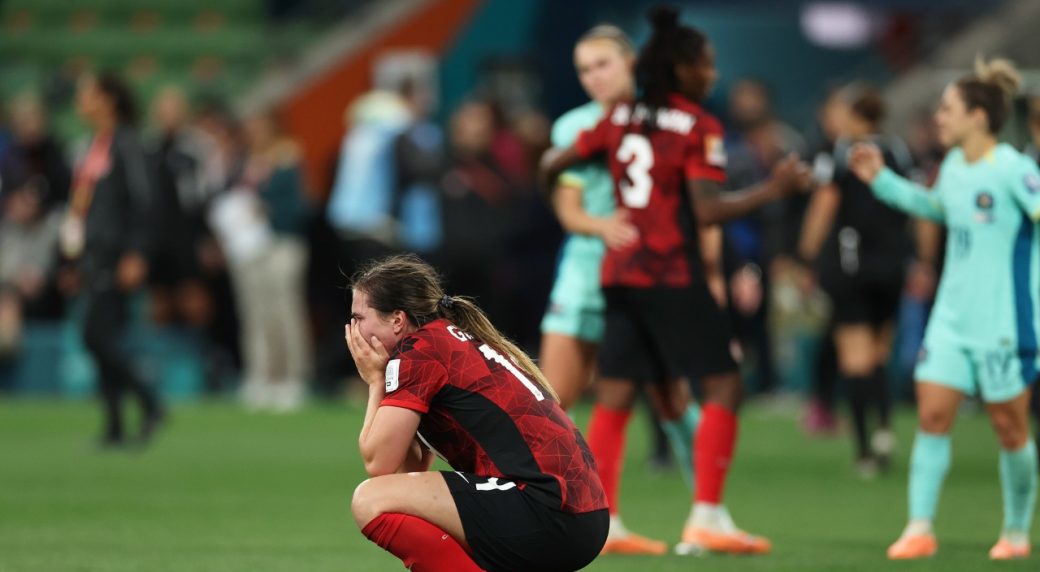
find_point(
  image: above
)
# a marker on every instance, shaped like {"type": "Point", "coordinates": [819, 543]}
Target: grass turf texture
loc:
{"type": "Point", "coordinates": [225, 490]}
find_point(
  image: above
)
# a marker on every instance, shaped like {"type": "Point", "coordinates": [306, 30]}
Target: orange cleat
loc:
{"type": "Point", "coordinates": [913, 546]}
{"type": "Point", "coordinates": [634, 544]}
{"type": "Point", "coordinates": [1006, 550]}
{"type": "Point", "coordinates": [697, 539]}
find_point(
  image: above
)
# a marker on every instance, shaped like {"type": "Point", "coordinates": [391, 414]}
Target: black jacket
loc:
{"type": "Point", "coordinates": [122, 213]}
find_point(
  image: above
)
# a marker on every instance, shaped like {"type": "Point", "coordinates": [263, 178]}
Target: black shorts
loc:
{"type": "Point", "coordinates": [657, 334]}
{"type": "Point", "coordinates": [865, 301]}
{"type": "Point", "coordinates": [508, 530]}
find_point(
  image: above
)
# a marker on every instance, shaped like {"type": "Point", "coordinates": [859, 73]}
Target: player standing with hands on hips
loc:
{"type": "Point", "coordinates": [982, 335]}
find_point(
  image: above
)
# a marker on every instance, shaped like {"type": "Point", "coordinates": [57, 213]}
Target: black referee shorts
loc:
{"type": "Point", "coordinates": [509, 531]}
{"type": "Point", "coordinates": [657, 334]}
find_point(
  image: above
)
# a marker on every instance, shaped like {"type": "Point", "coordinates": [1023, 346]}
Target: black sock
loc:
{"type": "Point", "coordinates": [860, 390]}
{"type": "Point", "coordinates": [882, 396]}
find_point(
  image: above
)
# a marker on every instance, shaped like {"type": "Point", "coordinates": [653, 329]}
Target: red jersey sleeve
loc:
{"type": "Point", "coordinates": [594, 141]}
{"type": "Point", "coordinates": [706, 151]}
{"type": "Point", "coordinates": [413, 378]}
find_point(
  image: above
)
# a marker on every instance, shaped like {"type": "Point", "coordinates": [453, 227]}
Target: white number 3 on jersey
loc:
{"type": "Point", "coordinates": [636, 151]}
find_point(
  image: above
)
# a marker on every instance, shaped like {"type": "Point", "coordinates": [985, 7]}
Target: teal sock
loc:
{"type": "Point", "coordinates": [680, 433]}
{"type": "Point", "coordinates": [929, 462]}
{"type": "Point", "coordinates": [1018, 482]}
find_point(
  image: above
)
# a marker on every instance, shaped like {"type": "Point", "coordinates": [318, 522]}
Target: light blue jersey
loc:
{"type": "Point", "coordinates": [983, 330]}
{"type": "Point", "coordinates": [576, 304]}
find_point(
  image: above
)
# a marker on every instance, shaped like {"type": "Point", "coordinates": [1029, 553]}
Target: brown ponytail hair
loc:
{"type": "Point", "coordinates": [991, 88]}
{"type": "Point", "coordinates": [408, 284]}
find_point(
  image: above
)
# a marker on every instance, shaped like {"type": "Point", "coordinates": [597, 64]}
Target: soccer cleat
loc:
{"type": "Point", "coordinates": [1005, 549]}
{"type": "Point", "coordinates": [696, 540]}
{"type": "Point", "coordinates": [913, 546]}
{"type": "Point", "coordinates": [634, 544]}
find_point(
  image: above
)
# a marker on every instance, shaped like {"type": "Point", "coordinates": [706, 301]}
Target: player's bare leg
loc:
{"type": "Point", "coordinates": [569, 363]}
{"type": "Point", "coordinates": [413, 516]}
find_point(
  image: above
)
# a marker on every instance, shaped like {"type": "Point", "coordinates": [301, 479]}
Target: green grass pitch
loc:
{"type": "Point", "coordinates": [225, 490]}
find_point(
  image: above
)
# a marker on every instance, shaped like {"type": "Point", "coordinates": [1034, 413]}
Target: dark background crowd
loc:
{"type": "Point", "coordinates": [251, 253]}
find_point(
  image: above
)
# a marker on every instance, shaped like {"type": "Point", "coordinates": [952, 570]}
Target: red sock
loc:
{"type": "Point", "coordinates": [713, 451]}
{"type": "Point", "coordinates": [421, 546]}
{"type": "Point", "coordinates": [607, 443]}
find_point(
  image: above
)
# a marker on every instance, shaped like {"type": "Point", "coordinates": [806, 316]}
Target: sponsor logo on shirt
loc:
{"type": "Point", "coordinates": [715, 151]}
{"type": "Point", "coordinates": [1032, 182]}
{"type": "Point", "coordinates": [984, 204]}
{"type": "Point", "coordinates": [393, 374]}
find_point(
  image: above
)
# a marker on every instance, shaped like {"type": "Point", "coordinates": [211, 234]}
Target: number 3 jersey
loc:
{"type": "Point", "coordinates": [652, 153]}
{"type": "Point", "coordinates": [483, 415]}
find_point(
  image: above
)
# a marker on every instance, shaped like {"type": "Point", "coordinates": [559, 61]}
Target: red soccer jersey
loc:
{"type": "Point", "coordinates": [482, 415]}
{"type": "Point", "coordinates": [651, 156]}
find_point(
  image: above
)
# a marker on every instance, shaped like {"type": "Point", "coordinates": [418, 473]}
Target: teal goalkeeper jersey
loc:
{"type": "Point", "coordinates": [988, 294]}
{"type": "Point", "coordinates": [592, 178]}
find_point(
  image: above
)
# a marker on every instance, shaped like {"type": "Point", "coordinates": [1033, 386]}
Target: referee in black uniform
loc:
{"type": "Point", "coordinates": [861, 247]}
{"type": "Point", "coordinates": [108, 228]}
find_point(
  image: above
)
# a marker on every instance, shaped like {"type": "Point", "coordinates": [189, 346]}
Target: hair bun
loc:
{"type": "Point", "coordinates": [1000, 73]}
{"type": "Point", "coordinates": [664, 18]}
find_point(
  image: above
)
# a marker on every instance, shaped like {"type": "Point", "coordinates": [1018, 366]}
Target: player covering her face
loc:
{"type": "Point", "coordinates": [523, 493]}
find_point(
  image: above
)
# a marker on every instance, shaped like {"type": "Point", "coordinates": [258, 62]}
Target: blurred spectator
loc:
{"type": "Point", "coordinates": [530, 259]}
{"type": "Point", "coordinates": [1033, 117]}
{"type": "Point", "coordinates": [419, 161]}
{"type": "Point", "coordinates": [34, 179]}
{"type": "Point", "coordinates": [29, 235]}
{"type": "Point", "coordinates": [33, 157]}
{"type": "Point", "coordinates": [179, 156]}
{"type": "Point", "coordinates": [755, 142]}
{"type": "Point", "coordinates": [261, 223]}
{"type": "Point", "coordinates": [507, 148]}
{"type": "Point", "coordinates": [361, 206]}
{"type": "Point", "coordinates": [923, 141]}
{"type": "Point", "coordinates": [110, 227]}
{"type": "Point", "coordinates": [223, 167]}
{"type": "Point", "coordinates": [477, 201]}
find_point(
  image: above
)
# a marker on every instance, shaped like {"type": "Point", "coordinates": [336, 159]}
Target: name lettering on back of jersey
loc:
{"type": "Point", "coordinates": [393, 375]}
{"type": "Point", "coordinates": [491, 355]}
{"type": "Point", "coordinates": [459, 334]}
{"type": "Point", "coordinates": [666, 118]}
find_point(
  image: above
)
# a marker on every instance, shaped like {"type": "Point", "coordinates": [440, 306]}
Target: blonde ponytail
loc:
{"type": "Point", "coordinates": [464, 313]}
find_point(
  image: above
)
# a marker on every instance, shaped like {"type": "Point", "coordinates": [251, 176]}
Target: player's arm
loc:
{"type": "Point", "coordinates": [386, 439]}
{"type": "Point", "coordinates": [387, 432]}
{"type": "Point", "coordinates": [866, 162]}
{"type": "Point", "coordinates": [711, 255]}
{"type": "Point", "coordinates": [614, 230]}
{"type": "Point", "coordinates": [713, 205]}
{"type": "Point", "coordinates": [555, 161]}
{"type": "Point", "coordinates": [419, 459]}
{"type": "Point", "coordinates": [818, 220]}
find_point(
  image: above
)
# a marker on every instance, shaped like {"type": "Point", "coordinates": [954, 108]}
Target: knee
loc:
{"type": "Point", "coordinates": [364, 505]}
{"type": "Point", "coordinates": [935, 421]}
{"type": "Point", "coordinates": [1012, 433]}
{"type": "Point", "coordinates": [857, 364]}
{"type": "Point", "coordinates": [726, 390]}
{"type": "Point", "coordinates": [617, 395]}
